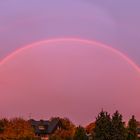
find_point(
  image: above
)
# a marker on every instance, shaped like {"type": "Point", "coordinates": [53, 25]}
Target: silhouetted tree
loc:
{"type": "Point", "coordinates": [80, 134]}
{"type": "Point", "coordinates": [102, 126]}
{"type": "Point", "coordinates": [132, 129]}
{"type": "Point", "coordinates": [118, 131]}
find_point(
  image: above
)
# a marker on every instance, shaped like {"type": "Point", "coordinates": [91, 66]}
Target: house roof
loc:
{"type": "Point", "coordinates": [37, 123]}
{"type": "Point", "coordinates": [49, 126]}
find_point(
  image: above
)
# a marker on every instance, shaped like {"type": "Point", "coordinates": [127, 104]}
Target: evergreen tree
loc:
{"type": "Point", "coordinates": [102, 126]}
{"type": "Point", "coordinates": [80, 134]}
{"type": "Point", "coordinates": [132, 129]}
{"type": "Point", "coordinates": [118, 131]}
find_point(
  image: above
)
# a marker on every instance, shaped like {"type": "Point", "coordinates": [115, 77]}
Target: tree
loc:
{"type": "Point", "coordinates": [3, 124]}
{"type": "Point", "coordinates": [80, 134]}
{"type": "Point", "coordinates": [66, 131]}
{"type": "Point", "coordinates": [118, 131]}
{"type": "Point", "coordinates": [102, 126]}
{"type": "Point", "coordinates": [132, 129]}
{"type": "Point", "coordinates": [90, 128]}
{"type": "Point", "coordinates": [18, 129]}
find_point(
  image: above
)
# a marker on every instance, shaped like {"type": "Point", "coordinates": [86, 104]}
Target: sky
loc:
{"type": "Point", "coordinates": [112, 22]}
{"type": "Point", "coordinates": [115, 23]}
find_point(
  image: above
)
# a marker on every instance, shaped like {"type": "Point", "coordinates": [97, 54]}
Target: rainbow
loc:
{"type": "Point", "coordinates": [127, 59]}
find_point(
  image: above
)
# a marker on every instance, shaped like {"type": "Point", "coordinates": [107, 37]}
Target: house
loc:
{"type": "Point", "coordinates": [43, 128]}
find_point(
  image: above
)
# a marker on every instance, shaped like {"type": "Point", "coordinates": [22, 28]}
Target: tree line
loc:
{"type": "Point", "coordinates": [113, 128]}
{"type": "Point", "coordinates": [105, 127]}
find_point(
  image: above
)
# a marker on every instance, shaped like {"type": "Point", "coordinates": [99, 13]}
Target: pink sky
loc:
{"type": "Point", "coordinates": [69, 79]}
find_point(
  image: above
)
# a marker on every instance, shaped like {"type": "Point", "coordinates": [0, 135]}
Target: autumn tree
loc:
{"type": "Point", "coordinates": [103, 126]}
{"type": "Point", "coordinates": [3, 124]}
{"type": "Point", "coordinates": [65, 132]}
{"type": "Point", "coordinates": [132, 129]}
{"type": "Point", "coordinates": [118, 131]}
{"type": "Point", "coordinates": [18, 129]}
{"type": "Point", "coordinates": [90, 128]}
